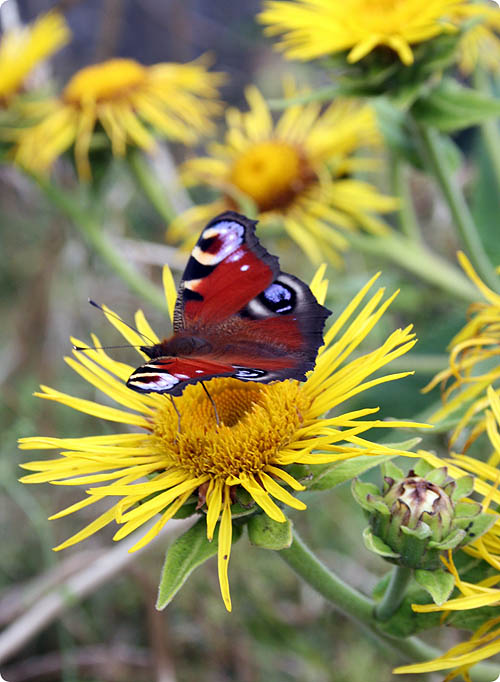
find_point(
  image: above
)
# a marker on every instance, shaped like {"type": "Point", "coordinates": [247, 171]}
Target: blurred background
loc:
{"type": "Point", "coordinates": [278, 631]}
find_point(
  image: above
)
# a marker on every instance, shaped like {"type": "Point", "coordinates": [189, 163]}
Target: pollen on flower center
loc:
{"type": "Point", "coordinates": [272, 173]}
{"type": "Point", "coordinates": [104, 81]}
{"type": "Point", "coordinates": [255, 422]}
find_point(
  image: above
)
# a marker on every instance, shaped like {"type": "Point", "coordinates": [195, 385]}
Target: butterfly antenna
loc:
{"type": "Point", "coordinates": [178, 418]}
{"type": "Point", "coordinates": [213, 403]}
{"type": "Point", "coordinates": [117, 317]}
{"type": "Point", "coordinates": [127, 345]}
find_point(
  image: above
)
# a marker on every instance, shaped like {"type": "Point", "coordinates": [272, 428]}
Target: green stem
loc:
{"type": "Point", "coordinates": [91, 230]}
{"type": "Point", "coordinates": [417, 259]}
{"type": "Point", "coordinates": [406, 214]}
{"type": "Point", "coordinates": [149, 184]}
{"type": "Point", "coordinates": [489, 128]}
{"type": "Point", "coordinates": [394, 594]}
{"type": "Point", "coordinates": [437, 160]}
{"type": "Point", "coordinates": [361, 609]}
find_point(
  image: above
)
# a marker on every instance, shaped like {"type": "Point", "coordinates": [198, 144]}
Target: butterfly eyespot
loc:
{"type": "Point", "coordinates": [248, 374]}
{"type": "Point", "coordinates": [278, 298]}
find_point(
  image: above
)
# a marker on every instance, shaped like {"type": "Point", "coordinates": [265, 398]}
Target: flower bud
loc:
{"type": "Point", "coordinates": [414, 518]}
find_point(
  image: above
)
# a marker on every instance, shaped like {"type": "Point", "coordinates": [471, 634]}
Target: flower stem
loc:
{"type": "Point", "coordinates": [362, 609]}
{"type": "Point", "coordinates": [489, 127]}
{"type": "Point", "coordinates": [150, 185]}
{"type": "Point", "coordinates": [436, 159]}
{"type": "Point", "coordinates": [394, 594]}
{"type": "Point", "coordinates": [91, 230]}
{"type": "Point", "coordinates": [416, 258]}
{"type": "Point", "coordinates": [406, 214]}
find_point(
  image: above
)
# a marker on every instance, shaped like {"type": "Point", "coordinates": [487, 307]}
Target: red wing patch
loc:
{"type": "Point", "coordinates": [228, 267]}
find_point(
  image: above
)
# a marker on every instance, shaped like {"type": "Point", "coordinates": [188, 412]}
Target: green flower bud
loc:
{"type": "Point", "coordinates": [414, 518]}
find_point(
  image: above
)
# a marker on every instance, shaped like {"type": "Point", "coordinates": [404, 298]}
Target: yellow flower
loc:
{"type": "Point", "coordinates": [21, 49]}
{"type": "Point", "coordinates": [126, 99]}
{"type": "Point", "coordinates": [294, 171]}
{"type": "Point", "coordinates": [263, 429]}
{"type": "Point", "coordinates": [474, 365]}
{"type": "Point", "coordinates": [485, 642]}
{"type": "Point", "coordinates": [318, 28]}
{"type": "Point", "coordinates": [480, 45]}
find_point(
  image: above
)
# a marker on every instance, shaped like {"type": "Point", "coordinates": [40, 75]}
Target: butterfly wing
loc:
{"type": "Point", "coordinates": [236, 315]}
{"type": "Point", "coordinates": [171, 375]}
{"type": "Point", "coordinates": [228, 267]}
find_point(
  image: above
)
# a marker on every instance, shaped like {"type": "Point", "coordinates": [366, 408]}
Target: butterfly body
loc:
{"type": "Point", "coordinates": [236, 315]}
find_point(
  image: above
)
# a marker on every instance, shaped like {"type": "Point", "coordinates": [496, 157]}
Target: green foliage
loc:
{"type": "Point", "coordinates": [184, 555]}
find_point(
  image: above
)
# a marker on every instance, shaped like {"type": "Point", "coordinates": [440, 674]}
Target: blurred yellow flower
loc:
{"type": "Point", "coordinates": [263, 429]}
{"type": "Point", "coordinates": [21, 49]}
{"type": "Point", "coordinates": [296, 171]}
{"type": "Point", "coordinates": [474, 365]}
{"type": "Point", "coordinates": [318, 28]}
{"type": "Point", "coordinates": [480, 44]}
{"type": "Point", "coordinates": [126, 98]}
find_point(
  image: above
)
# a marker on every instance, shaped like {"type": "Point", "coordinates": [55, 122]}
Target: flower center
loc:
{"type": "Point", "coordinates": [256, 421]}
{"type": "Point", "coordinates": [104, 81]}
{"type": "Point", "coordinates": [272, 173]}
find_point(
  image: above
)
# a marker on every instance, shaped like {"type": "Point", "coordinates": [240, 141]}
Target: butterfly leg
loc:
{"type": "Point", "coordinates": [178, 417]}
{"type": "Point", "coordinates": [213, 403]}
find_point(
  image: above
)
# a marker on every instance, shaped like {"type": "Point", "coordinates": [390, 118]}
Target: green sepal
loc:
{"type": "Point", "coordinates": [464, 487]}
{"type": "Point", "coordinates": [476, 527]}
{"type": "Point", "coordinates": [452, 541]}
{"type": "Point", "coordinates": [367, 495]}
{"type": "Point", "coordinates": [376, 545]}
{"type": "Point", "coordinates": [421, 533]}
{"type": "Point", "coordinates": [269, 534]}
{"type": "Point", "coordinates": [422, 468]}
{"type": "Point", "coordinates": [439, 584]}
{"type": "Point", "coordinates": [437, 476]}
{"type": "Point", "coordinates": [340, 472]}
{"type": "Point", "coordinates": [451, 106]}
{"type": "Point", "coordinates": [185, 554]}
{"type": "Point", "coordinates": [467, 510]}
{"type": "Point", "coordinates": [391, 470]}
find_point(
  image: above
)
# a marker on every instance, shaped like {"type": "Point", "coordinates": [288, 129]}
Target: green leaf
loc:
{"type": "Point", "coordinates": [378, 546]}
{"type": "Point", "coordinates": [451, 106]}
{"type": "Point", "coordinates": [393, 124]}
{"type": "Point", "coordinates": [345, 471]}
{"type": "Point", "coordinates": [184, 555]}
{"type": "Point", "coordinates": [439, 584]}
{"type": "Point", "coordinates": [269, 534]}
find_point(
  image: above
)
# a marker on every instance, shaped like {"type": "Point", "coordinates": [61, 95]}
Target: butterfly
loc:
{"type": "Point", "coordinates": [236, 315]}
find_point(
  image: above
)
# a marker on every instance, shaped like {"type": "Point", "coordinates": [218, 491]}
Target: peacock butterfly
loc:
{"type": "Point", "coordinates": [236, 315]}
